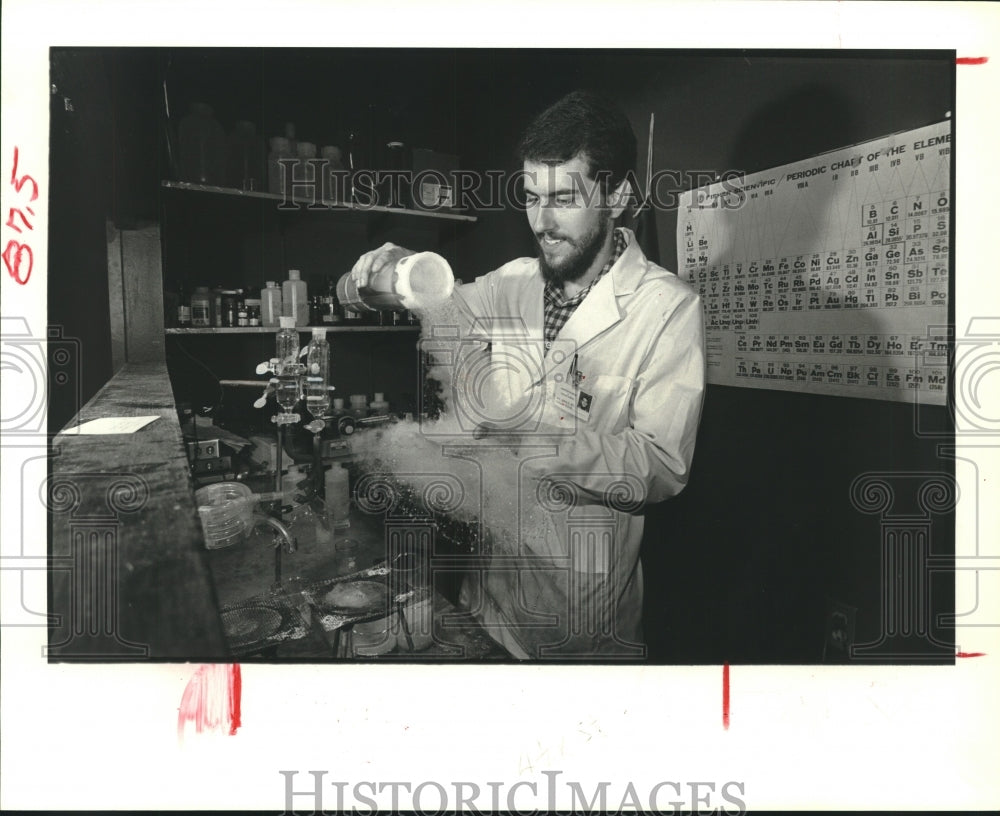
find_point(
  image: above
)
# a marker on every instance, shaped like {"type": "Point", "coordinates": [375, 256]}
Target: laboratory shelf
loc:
{"type": "Point", "coordinates": [312, 206]}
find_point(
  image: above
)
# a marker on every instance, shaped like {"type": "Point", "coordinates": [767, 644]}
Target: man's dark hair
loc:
{"type": "Point", "coordinates": [583, 122]}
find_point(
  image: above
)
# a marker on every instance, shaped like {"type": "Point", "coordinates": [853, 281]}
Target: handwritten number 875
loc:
{"type": "Point", "coordinates": [16, 252]}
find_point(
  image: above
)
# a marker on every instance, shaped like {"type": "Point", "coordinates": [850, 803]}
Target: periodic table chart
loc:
{"type": "Point", "coordinates": [828, 275]}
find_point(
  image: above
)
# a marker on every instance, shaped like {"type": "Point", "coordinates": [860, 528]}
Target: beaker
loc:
{"type": "Point", "coordinates": [226, 513]}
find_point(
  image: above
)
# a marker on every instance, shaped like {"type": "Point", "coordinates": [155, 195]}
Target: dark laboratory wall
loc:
{"type": "Point", "coordinates": [744, 566]}
{"type": "Point", "coordinates": [104, 155]}
{"type": "Point", "coordinates": [81, 161]}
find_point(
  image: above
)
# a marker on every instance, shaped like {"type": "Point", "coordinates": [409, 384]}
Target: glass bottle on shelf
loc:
{"type": "Point", "coordinates": [201, 307]}
{"type": "Point", "coordinates": [217, 311]}
{"type": "Point", "coordinates": [253, 307]}
{"type": "Point", "coordinates": [229, 308]}
{"type": "Point", "coordinates": [316, 310]}
{"type": "Point", "coordinates": [331, 312]}
{"type": "Point", "coordinates": [242, 320]}
{"type": "Point", "coordinates": [351, 317]}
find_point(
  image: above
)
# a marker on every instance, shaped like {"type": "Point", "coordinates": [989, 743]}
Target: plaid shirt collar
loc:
{"type": "Point", "coordinates": [559, 309]}
{"type": "Point", "coordinates": [554, 293]}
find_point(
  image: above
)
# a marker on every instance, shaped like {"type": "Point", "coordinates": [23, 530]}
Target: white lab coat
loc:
{"type": "Point", "coordinates": [571, 585]}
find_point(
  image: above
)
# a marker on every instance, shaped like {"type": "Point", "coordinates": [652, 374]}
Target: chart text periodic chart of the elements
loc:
{"type": "Point", "coordinates": [828, 275]}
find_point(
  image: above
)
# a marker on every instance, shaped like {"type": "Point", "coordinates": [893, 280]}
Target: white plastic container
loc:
{"type": "Point", "coordinates": [294, 299]}
{"type": "Point", "coordinates": [378, 405]}
{"type": "Point", "coordinates": [417, 281]}
{"type": "Point", "coordinates": [359, 405]}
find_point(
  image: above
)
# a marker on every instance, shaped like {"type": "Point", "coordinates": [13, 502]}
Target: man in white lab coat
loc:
{"type": "Point", "coordinates": [600, 357]}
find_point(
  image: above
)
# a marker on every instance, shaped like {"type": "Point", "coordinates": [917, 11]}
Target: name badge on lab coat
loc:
{"type": "Point", "coordinates": [572, 399]}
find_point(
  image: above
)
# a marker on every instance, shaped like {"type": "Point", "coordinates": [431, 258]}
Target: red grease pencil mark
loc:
{"type": "Point", "coordinates": [725, 696]}
{"type": "Point", "coordinates": [971, 654]}
{"type": "Point", "coordinates": [971, 60]}
{"type": "Point", "coordinates": [235, 698]}
{"type": "Point", "coordinates": [18, 257]}
{"type": "Point", "coordinates": [212, 699]}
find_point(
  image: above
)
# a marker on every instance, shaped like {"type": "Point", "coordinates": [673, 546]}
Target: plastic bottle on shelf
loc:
{"type": "Point", "coordinates": [290, 484]}
{"type": "Point", "coordinates": [286, 343]}
{"type": "Point", "coordinates": [378, 405]}
{"type": "Point", "coordinates": [295, 299]}
{"type": "Point", "coordinates": [293, 144]}
{"type": "Point", "coordinates": [270, 309]}
{"type": "Point", "coordinates": [280, 149]}
{"type": "Point", "coordinates": [202, 146]}
{"type": "Point", "coordinates": [245, 152]}
{"type": "Point", "coordinates": [359, 405]}
{"type": "Point", "coordinates": [318, 374]}
{"type": "Point", "coordinates": [201, 307]}
{"type": "Point", "coordinates": [305, 152]}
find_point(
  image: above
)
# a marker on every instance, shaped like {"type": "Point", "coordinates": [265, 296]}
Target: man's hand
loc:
{"type": "Point", "coordinates": [378, 260]}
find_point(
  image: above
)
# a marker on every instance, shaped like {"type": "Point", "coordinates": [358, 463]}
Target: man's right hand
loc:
{"type": "Point", "coordinates": [372, 263]}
